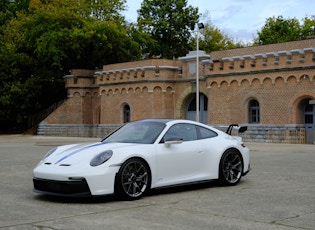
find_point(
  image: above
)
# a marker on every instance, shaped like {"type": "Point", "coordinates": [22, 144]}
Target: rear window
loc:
{"type": "Point", "coordinates": [206, 133]}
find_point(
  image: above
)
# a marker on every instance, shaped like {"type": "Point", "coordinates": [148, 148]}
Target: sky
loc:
{"type": "Point", "coordinates": [240, 19]}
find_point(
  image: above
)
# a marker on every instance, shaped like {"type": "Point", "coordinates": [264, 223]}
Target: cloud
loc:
{"type": "Point", "coordinates": [242, 19]}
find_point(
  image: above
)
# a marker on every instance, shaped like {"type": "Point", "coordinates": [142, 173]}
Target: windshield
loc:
{"type": "Point", "coordinates": [137, 132]}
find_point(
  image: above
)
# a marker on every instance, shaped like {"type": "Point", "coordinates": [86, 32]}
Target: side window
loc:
{"type": "Point", "coordinates": [206, 133]}
{"type": "Point", "coordinates": [186, 132]}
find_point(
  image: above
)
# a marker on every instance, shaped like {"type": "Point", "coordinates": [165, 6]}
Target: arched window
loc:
{"type": "Point", "coordinates": [254, 115]}
{"type": "Point", "coordinates": [126, 113]}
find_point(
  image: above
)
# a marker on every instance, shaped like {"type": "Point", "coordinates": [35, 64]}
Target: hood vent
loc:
{"type": "Point", "coordinates": [65, 165]}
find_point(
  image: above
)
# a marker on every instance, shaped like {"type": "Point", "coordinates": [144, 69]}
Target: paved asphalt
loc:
{"type": "Point", "coordinates": [279, 193]}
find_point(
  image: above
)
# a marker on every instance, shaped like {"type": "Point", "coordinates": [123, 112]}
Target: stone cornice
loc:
{"type": "Point", "coordinates": [258, 71]}
{"type": "Point", "coordinates": [139, 68]}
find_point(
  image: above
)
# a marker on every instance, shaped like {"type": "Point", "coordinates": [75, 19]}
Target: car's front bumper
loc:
{"type": "Point", "coordinates": [61, 188]}
{"type": "Point", "coordinates": [72, 181]}
{"type": "Point", "coordinates": [247, 171]}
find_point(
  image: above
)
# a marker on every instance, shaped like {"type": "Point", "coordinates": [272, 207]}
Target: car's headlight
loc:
{"type": "Point", "coordinates": [50, 152]}
{"type": "Point", "coordinates": [101, 158]}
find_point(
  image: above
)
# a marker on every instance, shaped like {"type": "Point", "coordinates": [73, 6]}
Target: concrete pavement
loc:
{"type": "Point", "coordinates": [279, 193]}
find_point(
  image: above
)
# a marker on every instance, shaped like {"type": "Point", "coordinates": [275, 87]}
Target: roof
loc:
{"type": "Point", "coordinates": [252, 50]}
{"type": "Point", "coordinates": [156, 120]}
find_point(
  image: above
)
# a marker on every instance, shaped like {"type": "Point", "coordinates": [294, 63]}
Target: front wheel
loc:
{"type": "Point", "coordinates": [231, 167]}
{"type": "Point", "coordinates": [133, 179]}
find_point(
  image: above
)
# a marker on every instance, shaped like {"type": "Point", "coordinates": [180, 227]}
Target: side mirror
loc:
{"type": "Point", "coordinates": [172, 141]}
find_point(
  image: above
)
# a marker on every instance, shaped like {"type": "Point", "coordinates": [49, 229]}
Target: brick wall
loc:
{"type": "Point", "coordinates": [281, 77]}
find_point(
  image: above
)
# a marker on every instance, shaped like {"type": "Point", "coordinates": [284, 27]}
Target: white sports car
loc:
{"type": "Point", "coordinates": [145, 154]}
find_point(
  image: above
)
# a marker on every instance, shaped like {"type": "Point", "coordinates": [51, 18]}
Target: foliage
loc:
{"type": "Point", "coordinates": [40, 41]}
{"type": "Point", "coordinates": [169, 24]}
{"type": "Point", "coordinates": [308, 26]}
{"type": "Point", "coordinates": [213, 39]}
{"type": "Point", "coordinates": [8, 9]}
{"type": "Point", "coordinates": [278, 30]}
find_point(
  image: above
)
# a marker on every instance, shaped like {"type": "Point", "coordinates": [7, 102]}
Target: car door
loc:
{"type": "Point", "coordinates": [180, 162]}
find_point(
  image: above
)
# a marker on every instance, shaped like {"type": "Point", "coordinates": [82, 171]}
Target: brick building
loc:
{"type": "Point", "coordinates": [270, 88]}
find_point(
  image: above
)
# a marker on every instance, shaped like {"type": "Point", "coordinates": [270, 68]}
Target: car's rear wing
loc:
{"type": "Point", "coordinates": [241, 129]}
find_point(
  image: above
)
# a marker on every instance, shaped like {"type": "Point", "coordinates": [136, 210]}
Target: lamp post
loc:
{"type": "Point", "coordinates": [200, 26]}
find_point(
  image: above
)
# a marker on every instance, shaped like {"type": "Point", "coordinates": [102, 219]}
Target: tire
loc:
{"type": "Point", "coordinates": [230, 168]}
{"type": "Point", "coordinates": [133, 179]}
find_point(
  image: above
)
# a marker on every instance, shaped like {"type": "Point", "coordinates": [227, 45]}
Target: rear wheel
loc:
{"type": "Point", "coordinates": [133, 179]}
{"type": "Point", "coordinates": [231, 167]}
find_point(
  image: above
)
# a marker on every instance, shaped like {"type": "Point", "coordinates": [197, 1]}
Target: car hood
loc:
{"type": "Point", "coordinates": [81, 153]}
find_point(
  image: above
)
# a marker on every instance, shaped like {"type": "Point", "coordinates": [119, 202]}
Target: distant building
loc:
{"type": "Point", "coordinates": [270, 88]}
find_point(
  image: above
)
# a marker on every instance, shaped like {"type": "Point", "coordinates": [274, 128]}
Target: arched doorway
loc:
{"type": "Point", "coordinates": [203, 109]}
{"type": "Point", "coordinates": [309, 122]}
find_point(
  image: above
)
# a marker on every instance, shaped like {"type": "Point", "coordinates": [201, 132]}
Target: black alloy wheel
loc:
{"type": "Point", "coordinates": [133, 179]}
{"type": "Point", "coordinates": [231, 167]}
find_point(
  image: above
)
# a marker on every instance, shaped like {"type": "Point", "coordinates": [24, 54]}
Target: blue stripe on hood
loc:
{"type": "Point", "coordinates": [79, 150]}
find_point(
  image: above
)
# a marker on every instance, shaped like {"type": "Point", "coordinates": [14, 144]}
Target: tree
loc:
{"type": "Point", "coordinates": [143, 39]}
{"type": "Point", "coordinates": [308, 27]}
{"type": "Point", "coordinates": [106, 10]}
{"type": "Point", "coordinates": [213, 39]}
{"type": "Point", "coordinates": [278, 30]}
{"type": "Point", "coordinates": [40, 43]}
{"type": "Point", "coordinates": [169, 24]}
{"type": "Point", "coordinates": [8, 9]}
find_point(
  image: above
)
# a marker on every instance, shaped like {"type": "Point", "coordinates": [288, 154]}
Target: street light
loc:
{"type": "Point", "coordinates": [200, 26]}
